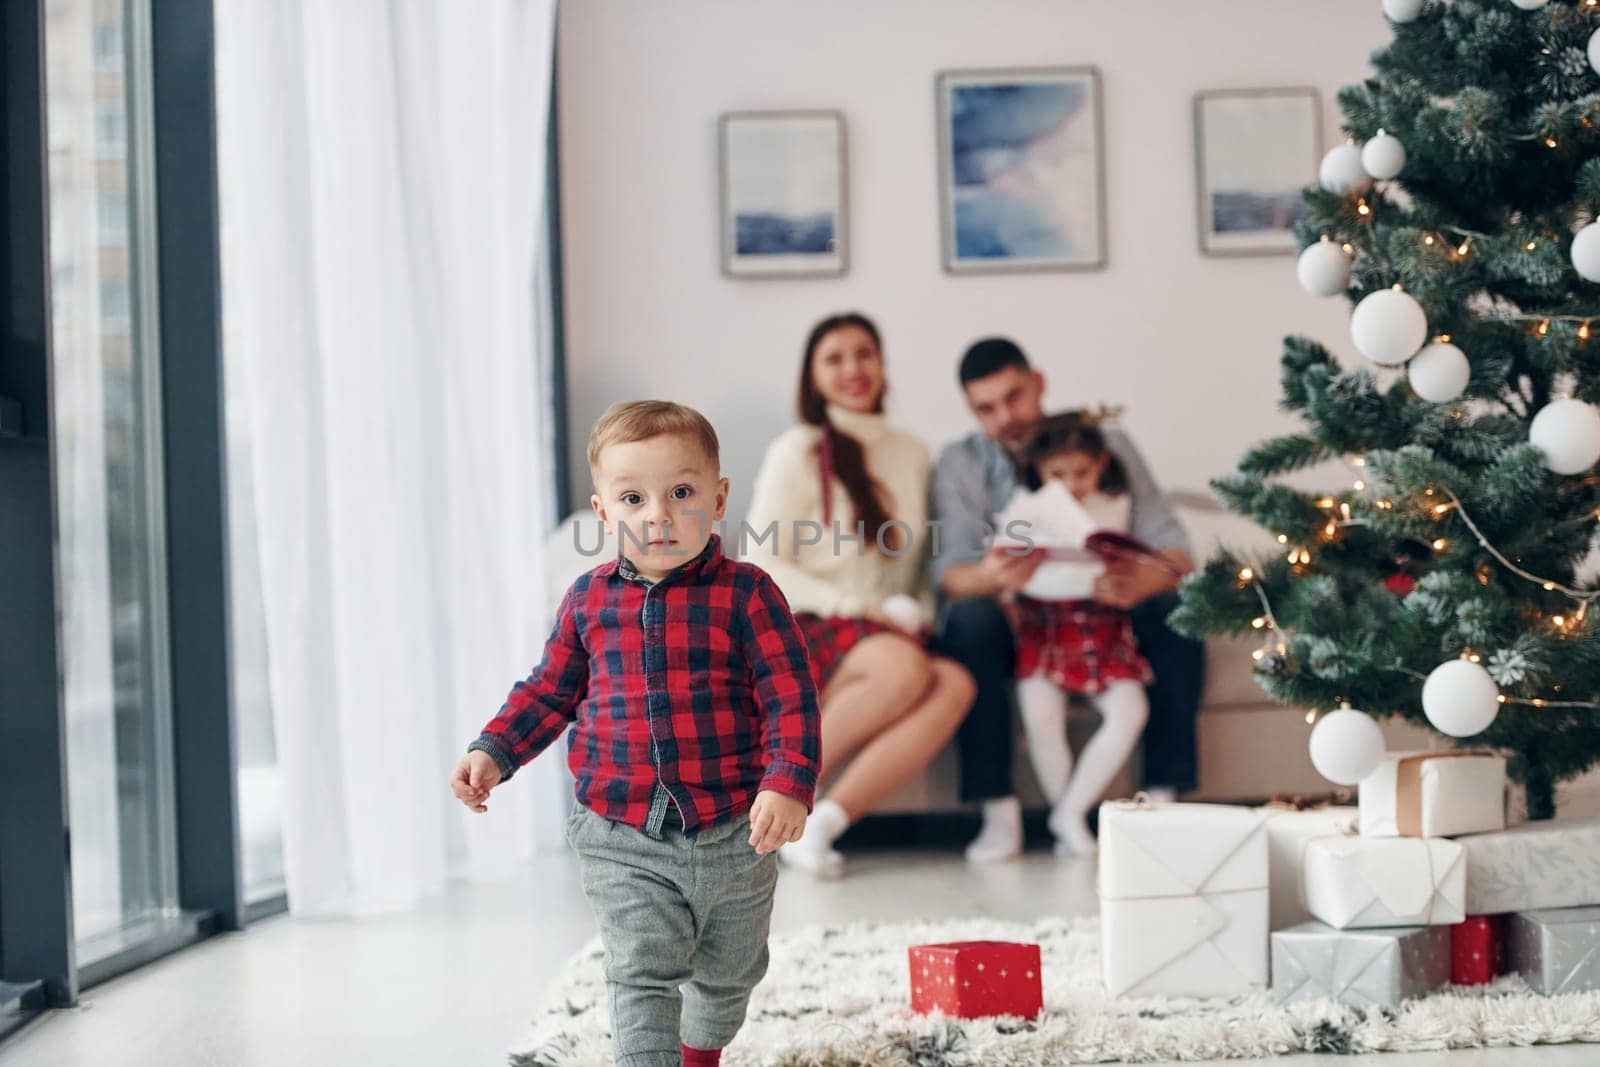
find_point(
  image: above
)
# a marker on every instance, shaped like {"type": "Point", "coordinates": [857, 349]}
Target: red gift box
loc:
{"type": "Point", "coordinates": [972, 979]}
{"type": "Point", "coordinates": [1477, 949]}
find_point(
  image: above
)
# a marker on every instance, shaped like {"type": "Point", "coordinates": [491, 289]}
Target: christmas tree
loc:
{"type": "Point", "coordinates": [1444, 580]}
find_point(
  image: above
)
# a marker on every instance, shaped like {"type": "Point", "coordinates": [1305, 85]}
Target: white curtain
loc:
{"type": "Point", "coordinates": [383, 172]}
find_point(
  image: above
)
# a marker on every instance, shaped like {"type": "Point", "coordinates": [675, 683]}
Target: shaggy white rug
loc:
{"type": "Point", "coordinates": [837, 996]}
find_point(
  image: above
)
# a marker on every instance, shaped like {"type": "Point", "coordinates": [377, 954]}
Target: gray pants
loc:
{"type": "Point", "coordinates": [676, 912]}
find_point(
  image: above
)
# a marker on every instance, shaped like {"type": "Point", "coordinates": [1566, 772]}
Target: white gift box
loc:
{"type": "Point", "coordinates": [1539, 865]}
{"type": "Point", "coordinates": [1361, 882]}
{"type": "Point", "coordinates": [1288, 833]}
{"type": "Point", "coordinates": [1434, 794]}
{"type": "Point", "coordinates": [1183, 899]}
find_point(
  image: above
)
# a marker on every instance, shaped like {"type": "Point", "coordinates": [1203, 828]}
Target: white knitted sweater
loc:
{"type": "Point", "coordinates": [839, 577]}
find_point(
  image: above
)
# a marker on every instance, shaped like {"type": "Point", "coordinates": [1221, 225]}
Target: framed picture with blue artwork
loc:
{"type": "Point", "coordinates": [783, 194]}
{"type": "Point", "coordinates": [1021, 170]}
{"type": "Point", "coordinates": [1255, 150]}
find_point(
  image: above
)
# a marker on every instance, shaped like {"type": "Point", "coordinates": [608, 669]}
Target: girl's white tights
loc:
{"type": "Point", "coordinates": [1123, 711]}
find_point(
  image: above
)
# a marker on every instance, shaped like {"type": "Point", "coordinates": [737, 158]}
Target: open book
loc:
{"type": "Point", "coordinates": [1090, 532]}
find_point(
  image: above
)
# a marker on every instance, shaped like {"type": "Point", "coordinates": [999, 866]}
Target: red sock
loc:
{"type": "Point", "coordinates": [697, 1057]}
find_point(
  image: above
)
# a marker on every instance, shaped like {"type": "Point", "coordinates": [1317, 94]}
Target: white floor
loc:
{"type": "Point", "coordinates": [453, 984]}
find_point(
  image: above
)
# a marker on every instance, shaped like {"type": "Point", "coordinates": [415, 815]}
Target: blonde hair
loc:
{"type": "Point", "coordinates": [637, 420]}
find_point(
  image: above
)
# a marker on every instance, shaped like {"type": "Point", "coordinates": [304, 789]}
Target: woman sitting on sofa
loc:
{"type": "Point", "coordinates": [860, 603]}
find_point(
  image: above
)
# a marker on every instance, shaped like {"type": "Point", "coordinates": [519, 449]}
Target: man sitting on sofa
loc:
{"type": "Point", "coordinates": [974, 479]}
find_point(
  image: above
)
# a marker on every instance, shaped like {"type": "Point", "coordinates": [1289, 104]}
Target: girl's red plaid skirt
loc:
{"type": "Point", "coordinates": [828, 638]}
{"type": "Point", "coordinates": [1081, 645]}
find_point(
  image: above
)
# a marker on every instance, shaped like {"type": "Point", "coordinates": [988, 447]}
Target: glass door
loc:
{"type": "Point", "coordinates": [105, 397]}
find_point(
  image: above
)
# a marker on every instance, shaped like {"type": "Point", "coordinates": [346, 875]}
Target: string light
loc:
{"type": "Point", "coordinates": [1440, 545]}
{"type": "Point", "coordinates": [1362, 208]}
{"type": "Point", "coordinates": [1464, 247]}
{"type": "Point", "coordinates": [1583, 331]}
{"type": "Point", "coordinates": [1428, 240]}
{"type": "Point", "coordinates": [1283, 539]}
{"type": "Point", "coordinates": [1360, 485]}
{"type": "Point", "coordinates": [1531, 245]}
{"type": "Point", "coordinates": [1544, 328]}
{"type": "Point", "coordinates": [1581, 597]}
{"type": "Point", "coordinates": [1549, 142]}
{"type": "Point", "coordinates": [1246, 574]}
{"type": "Point", "coordinates": [1349, 249]}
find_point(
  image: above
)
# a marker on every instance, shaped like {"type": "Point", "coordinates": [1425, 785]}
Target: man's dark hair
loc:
{"type": "Point", "coordinates": [988, 356]}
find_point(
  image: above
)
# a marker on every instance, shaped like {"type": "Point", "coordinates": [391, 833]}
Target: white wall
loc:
{"type": "Point", "coordinates": [1190, 344]}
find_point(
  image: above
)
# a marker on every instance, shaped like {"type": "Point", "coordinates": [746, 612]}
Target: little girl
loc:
{"type": "Point", "coordinates": [1069, 643]}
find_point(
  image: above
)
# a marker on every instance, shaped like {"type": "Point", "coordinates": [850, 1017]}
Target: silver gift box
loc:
{"type": "Point", "coordinates": [1556, 950]}
{"type": "Point", "coordinates": [1362, 968]}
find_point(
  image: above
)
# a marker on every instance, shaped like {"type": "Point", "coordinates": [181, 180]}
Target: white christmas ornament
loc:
{"type": "Point", "coordinates": [1530, 5]}
{"type": "Point", "coordinates": [1594, 51]}
{"type": "Point", "coordinates": [1324, 269]}
{"type": "Point", "coordinates": [1586, 245]}
{"type": "Point", "coordinates": [1460, 698]}
{"type": "Point", "coordinates": [1384, 156]}
{"type": "Point", "coordinates": [1440, 372]}
{"type": "Point", "coordinates": [1402, 10]}
{"type": "Point", "coordinates": [1568, 433]}
{"type": "Point", "coordinates": [1341, 170]}
{"type": "Point", "coordinates": [1389, 326]}
{"type": "Point", "coordinates": [1346, 746]}
{"type": "Point", "coordinates": [906, 611]}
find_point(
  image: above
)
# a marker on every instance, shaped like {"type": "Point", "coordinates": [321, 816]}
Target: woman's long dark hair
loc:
{"type": "Point", "coordinates": [1071, 431]}
{"type": "Point", "coordinates": [838, 450]}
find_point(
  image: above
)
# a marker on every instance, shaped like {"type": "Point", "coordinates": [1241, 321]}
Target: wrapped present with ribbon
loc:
{"type": "Point", "coordinates": [1364, 882]}
{"type": "Point", "coordinates": [1292, 823]}
{"type": "Point", "coordinates": [1362, 968]}
{"type": "Point", "coordinates": [1183, 899]}
{"type": "Point", "coordinates": [1556, 950]}
{"type": "Point", "coordinates": [975, 979]}
{"type": "Point", "coordinates": [1546, 864]}
{"type": "Point", "coordinates": [1434, 794]}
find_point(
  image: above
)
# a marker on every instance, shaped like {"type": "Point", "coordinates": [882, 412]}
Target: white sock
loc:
{"type": "Point", "coordinates": [1123, 710]}
{"type": "Point", "coordinates": [814, 852]}
{"type": "Point", "coordinates": [1073, 837]}
{"type": "Point", "coordinates": [1001, 836]}
{"type": "Point", "coordinates": [1044, 720]}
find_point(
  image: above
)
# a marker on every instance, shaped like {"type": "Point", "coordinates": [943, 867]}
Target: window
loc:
{"type": "Point", "coordinates": [109, 491]}
{"type": "Point", "coordinates": [111, 215]}
{"type": "Point", "coordinates": [108, 45]}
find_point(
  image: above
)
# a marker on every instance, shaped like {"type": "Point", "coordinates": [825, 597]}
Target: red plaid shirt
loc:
{"type": "Point", "coordinates": [695, 689]}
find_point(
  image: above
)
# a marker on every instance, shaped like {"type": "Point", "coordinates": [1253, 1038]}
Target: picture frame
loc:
{"type": "Point", "coordinates": [1021, 169]}
{"type": "Point", "coordinates": [783, 203]}
{"type": "Point", "coordinates": [1255, 151]}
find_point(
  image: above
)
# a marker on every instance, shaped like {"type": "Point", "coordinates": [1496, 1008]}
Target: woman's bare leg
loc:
{"type": "Point", "coordinates": [894, 754]}
{"type": "Point", "coordinates": [875, 684]}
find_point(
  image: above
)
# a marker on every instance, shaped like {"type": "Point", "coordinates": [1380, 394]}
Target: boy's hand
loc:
{"type": "Point", "coordinates": [474, 776]}
{"type": "Point", "coordinates": [775, 820]}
